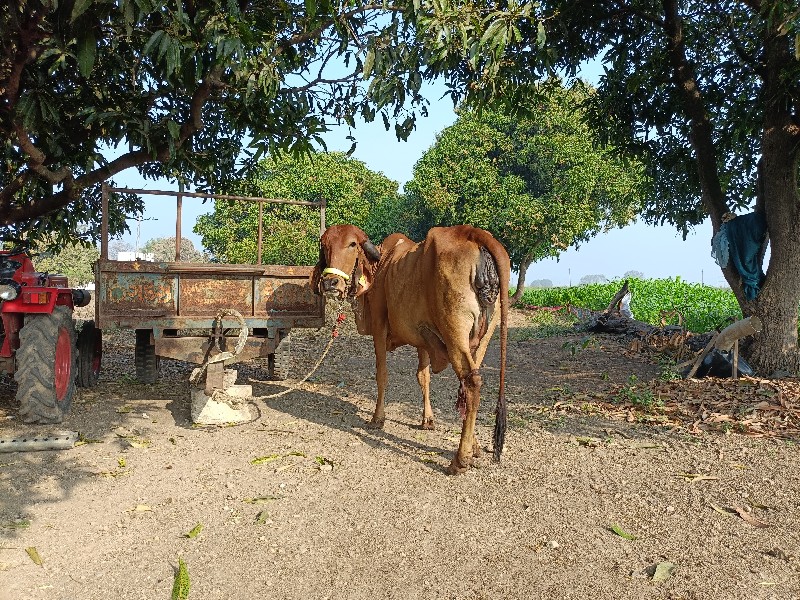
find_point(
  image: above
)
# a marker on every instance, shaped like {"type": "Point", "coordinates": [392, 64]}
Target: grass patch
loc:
{"type": "Point", "coordinates": [545, 324]}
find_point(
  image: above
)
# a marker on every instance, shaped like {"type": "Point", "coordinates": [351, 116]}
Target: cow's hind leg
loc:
{"type": "Point", "coordinates": [470, 394]}
{"type": "Point", "coordinates": [424, 379]}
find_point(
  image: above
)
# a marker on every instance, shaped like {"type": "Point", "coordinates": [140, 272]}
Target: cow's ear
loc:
{"type": "Point", "coordinates": [371, 251]}
{"type": "Point", "coordinates": [317, 272]}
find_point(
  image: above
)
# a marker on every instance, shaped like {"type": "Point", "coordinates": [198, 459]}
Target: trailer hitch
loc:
{"type": "Point", "coordinates": [214, 366]}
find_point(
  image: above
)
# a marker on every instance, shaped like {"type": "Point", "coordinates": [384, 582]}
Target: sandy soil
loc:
{"type": "Point", "coordinates": [336, 510]}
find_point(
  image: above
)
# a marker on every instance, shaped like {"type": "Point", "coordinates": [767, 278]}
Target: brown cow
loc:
{"type": "Point", "coordinates": [440, 296]}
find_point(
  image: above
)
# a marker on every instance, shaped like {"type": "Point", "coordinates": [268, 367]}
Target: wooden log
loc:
{"type": "Point", "coordinates": [736, 331]}
{"type": "Point", "coordinates": [618, 298]}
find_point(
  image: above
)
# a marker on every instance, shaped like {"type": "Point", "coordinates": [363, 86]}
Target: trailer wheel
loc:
{"type": "Point", "coordinates": [145, 357]}
{"type": "Point", "coordinates": [46, 366]}
{"type": "Point", "coordinates": [279, 363]}
{"type": "Point", "coordinates": [90, 354]}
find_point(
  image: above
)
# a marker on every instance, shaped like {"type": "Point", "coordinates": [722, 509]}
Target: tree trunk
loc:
{"type": "Point", "coordinates": [776, 347]}
{"type": "Point", "coordinates": [776, 305]}
{"type": "Point", "coordinates": [523, 270]}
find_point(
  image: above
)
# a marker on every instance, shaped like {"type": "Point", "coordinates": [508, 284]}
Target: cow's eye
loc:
{"type": "Point", "coordinates": [352, 244]}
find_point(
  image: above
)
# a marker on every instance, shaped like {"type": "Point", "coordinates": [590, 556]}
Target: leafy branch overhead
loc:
{"type": "Point", "coordinates": [181, 88]}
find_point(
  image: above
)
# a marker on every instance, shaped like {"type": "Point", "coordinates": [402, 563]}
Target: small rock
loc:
{"type": "Point", "coordinates": [553, 544]}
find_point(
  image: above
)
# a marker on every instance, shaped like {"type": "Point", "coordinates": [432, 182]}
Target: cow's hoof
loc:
{"type": "Point", "coordinates": [376, 423]}
{"type": "Point", "coordinates": [428, 424]}
{"type": "Point", "coordinates": [456, 467]}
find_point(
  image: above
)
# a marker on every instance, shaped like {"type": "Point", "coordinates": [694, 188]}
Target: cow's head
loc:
{"type": "Point", "coordinates": [347, 262]}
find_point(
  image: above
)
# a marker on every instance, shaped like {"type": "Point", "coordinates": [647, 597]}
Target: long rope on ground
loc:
{"type": "Point", "coordinates": [334, 334]}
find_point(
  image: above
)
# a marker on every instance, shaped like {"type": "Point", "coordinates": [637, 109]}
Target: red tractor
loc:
{"type": "Point", "coordinates": [38, 341]}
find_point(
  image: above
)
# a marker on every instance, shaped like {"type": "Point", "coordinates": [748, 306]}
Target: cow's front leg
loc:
{"type": "Point", "coordinates": [471, 390]}
{"type": "Point", "coordinates": [381, 377]}
{"type": "Point", "coordinates": [424, 380]}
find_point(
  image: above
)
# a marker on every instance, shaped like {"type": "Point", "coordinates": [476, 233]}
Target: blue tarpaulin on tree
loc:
{"type": "Point", "coordinates": [740, 241]}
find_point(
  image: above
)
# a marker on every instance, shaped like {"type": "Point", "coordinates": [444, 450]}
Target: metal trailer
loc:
{"type": "Point", "coordinates": [176, 307]}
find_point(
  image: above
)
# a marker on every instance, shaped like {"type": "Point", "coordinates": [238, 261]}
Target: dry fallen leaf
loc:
{"type": "Point", "coordinates": [721, 509]}
{"type": "Point", "coordinates": [748, 518]}
{"type": "Point", "coordinates": [697, 477]}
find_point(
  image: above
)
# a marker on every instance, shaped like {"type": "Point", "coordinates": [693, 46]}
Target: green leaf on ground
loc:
{"type": "Point", "coordinates": [34, 554]}
{"type": "Point", "coordinates": [621, 533]}
{"type": "Point", "coordinates": [17, 524]}
{"type": "Point", "coordinates": [262, 460]}
{"type": "Point", "coordinates": [324, 462]}
{"type": "Point", "coordinates": [664, 571]}
{"type": "Point", "coordinates": [180, 588]}
{"type": "Point", "coordinates": [261, 499]}
{"type": "Point", "coordinates": [194, 532]}
{"type": "Point", "coordinates": [262, 517]}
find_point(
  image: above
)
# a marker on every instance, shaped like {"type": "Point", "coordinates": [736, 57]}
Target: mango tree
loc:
{"type": "Point", "coordinates": [539, 182]}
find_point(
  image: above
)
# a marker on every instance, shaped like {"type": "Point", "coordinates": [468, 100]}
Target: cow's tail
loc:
{"type": "Point", "coordinates": [500, 412]}
{"type": "Point", "coordinates": [503, 263]}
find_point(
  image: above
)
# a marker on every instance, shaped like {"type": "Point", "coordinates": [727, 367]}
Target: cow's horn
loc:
{"type": "Point", "coordinates": [371, 251]}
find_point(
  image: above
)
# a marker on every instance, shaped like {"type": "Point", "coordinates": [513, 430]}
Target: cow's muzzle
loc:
{"type": "Point", "coordinates": [334, 283]}
{"type": "Point", "coordinates": [332, 287]}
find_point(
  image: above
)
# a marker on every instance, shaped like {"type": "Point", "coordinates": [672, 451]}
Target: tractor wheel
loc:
{"type": "Point", "coordinates": [145, 357]}
{"type": "Point", "coordinates": [280, 362]}
{"type": "Point", "coordinates": [46, 366]}
{"type": "Point", "coordinates": [90, 354]}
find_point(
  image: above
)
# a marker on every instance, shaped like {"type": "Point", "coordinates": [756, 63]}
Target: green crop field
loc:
{"type": "Point", "coordinates": [703, 308]}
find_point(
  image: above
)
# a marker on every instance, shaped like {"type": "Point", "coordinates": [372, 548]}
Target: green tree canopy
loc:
{"type": "Point", "coordinates": [291, 233]}
{"type": "Point", "coordinates": [539, 183]}
{"type": "Point", "coordinates": [75, 260]}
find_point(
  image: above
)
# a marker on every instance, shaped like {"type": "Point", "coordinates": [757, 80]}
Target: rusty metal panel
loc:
{"type": "Point", "coordinates": [152, 295]}
{"type": "Point", "coordinates": [286, 295]}
{"type": "Point", "coordinates": [207, 294]}
{"type": "Point", "coordinates": [136, 293]}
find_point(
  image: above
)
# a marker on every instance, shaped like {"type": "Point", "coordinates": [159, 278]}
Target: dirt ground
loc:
{"type": "Point", "coordinates": [706, 486]}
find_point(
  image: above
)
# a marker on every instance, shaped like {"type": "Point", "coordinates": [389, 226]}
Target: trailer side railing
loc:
{"type": "Point", "coordinates": [106, 190]}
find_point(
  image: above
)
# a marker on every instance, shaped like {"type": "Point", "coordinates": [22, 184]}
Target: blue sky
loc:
{"type": "Point", "coordinates": [657, 252]}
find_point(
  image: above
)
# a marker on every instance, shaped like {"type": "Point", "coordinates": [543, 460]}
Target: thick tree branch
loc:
{"type": "Point", "coordinates": [26, 53]}
{"type": "Point", "coordinates": [201, 95]}
{"type": "Point", "coordinates": [701, 136]}
{"type": "Point", "coordinates": [71, 188]}
{"type": "Point", "coordinates": [37, 160]}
